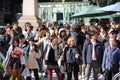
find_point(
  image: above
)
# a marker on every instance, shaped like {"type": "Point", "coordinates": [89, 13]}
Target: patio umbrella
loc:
{"type": "Point", "coordinates": [91, 11]}
{"type": "Point", "coordinates": [108, 16]}
{"type": "Point", "coordinates": [114, 7]}
{"type": "Point", "coordinates": [83, 11]}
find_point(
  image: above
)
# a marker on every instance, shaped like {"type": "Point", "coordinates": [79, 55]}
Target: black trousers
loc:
{"type": "Point", "coordinates": [72, 68]}
{"type": "Point", "coordinates": [35, 74]}
{"type": "Point", "coordinates": [109, 74]}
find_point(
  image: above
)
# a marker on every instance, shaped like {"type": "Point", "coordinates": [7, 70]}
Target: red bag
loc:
{"type": "Point", "coordinates": [9, 69]}
{"type": "Point", "coordinates": [18, 52]}
{"type": "Point", "coordinates": [10, 64]}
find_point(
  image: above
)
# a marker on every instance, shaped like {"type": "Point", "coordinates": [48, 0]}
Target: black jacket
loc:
{"type": "Point", "coordinates": [69, 55]}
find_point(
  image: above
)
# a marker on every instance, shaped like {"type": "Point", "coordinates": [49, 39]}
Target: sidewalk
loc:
{"type": "Point", "coordinates": [55, 77]}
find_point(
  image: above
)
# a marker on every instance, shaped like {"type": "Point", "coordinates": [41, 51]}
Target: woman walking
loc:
{"type": "Point", "coordinates": [51, 58]}
{"type": "Point", "coordinates": [12, 62]}
{"type": "Point", "coordinates": [71, 59]}
{"type": "Point", "coordinates": [33, 54]}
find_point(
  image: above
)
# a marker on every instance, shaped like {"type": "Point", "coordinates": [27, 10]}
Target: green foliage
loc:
{"type": "Point", "coordinates": [56, 0]}
{"type": "Point", "coordinates": [102, 2]}
{"type": "Point", "coordinates": [2, 72]}
{"type": "Point", "coordinates": [93, 1]}
{"type": "Point", "coordinates": [7, 77]}
{"type": "Point", "coordinates": [1, 68]}
{"type": "Point", "coordinates": [65, 0]}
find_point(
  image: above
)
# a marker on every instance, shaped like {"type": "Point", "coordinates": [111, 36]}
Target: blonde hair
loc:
{"type": "Point", "coordinates": [70, 39]}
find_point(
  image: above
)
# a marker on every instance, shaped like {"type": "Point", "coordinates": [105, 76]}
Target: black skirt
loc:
{"type": "Point", "coordinates": [16, 63]}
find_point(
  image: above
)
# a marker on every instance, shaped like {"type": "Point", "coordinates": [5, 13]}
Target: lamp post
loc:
{"type": "Point", "coordinates": [63, 1]}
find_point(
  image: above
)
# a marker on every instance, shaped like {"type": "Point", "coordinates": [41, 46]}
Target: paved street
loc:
{"type": "Point", "coordinates": [55, 77]}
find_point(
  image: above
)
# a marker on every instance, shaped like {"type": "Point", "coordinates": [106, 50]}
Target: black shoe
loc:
{"type": "Point", "coordinates": [45, 76]}
{"type": "Point", "coordinates": [63, 76]}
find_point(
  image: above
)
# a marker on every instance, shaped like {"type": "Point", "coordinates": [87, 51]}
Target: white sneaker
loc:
{"type": "Point", "coordinates": [82, 76]}
{"type": "Point", "coordinates": [101, 76]}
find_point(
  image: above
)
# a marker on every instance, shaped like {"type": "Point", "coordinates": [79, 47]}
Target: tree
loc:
{"type": "Point", "coordinates": [43, 0]}
{"type": "Point", "coordinates": [56, 0]}
{"type": "Point", "coordinates": [102, 3]}
{"type": "Point", "coordinates": [65, 0]}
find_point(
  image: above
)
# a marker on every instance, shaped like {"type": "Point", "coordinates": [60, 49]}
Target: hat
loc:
{"type": "Point", "coordinates": [61, 29]}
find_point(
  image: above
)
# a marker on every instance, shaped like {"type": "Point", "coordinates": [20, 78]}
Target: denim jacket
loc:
{"type": "Point", "coordinates": [111, 56]}
{"type": "Point", "coordinates": [69, 55]}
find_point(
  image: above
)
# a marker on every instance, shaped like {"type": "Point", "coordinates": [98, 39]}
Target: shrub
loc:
{"type": "Point", "coordinates": [1, 70]}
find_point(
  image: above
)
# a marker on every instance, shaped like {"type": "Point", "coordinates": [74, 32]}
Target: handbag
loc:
{"type": "Point", "coordinates": [9, 69]}
{"type": "Point", "coordinates": [26, 72]}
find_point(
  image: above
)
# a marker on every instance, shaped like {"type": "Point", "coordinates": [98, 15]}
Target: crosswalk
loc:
{"type": "Point", "coordinates": [55, 77]}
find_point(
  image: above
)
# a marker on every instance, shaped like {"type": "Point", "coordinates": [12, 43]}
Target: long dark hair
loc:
{"type": "Point", "coordinates": [15, 39]}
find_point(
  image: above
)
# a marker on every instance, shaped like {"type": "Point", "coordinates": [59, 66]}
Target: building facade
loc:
{"type": "Point", "coordinates": [59, 11]}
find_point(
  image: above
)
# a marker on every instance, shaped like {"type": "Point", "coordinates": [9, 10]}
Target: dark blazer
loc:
{"type": "Point", "coordinates": [79, 39]}
{"type": "Point", "coordinates": [98, 52]}
{"type": "Point", "coordinates": [84, 51]}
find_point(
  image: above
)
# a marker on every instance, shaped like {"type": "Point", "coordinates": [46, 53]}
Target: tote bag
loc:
{"type": "Point", "coordinates": [26, 72]}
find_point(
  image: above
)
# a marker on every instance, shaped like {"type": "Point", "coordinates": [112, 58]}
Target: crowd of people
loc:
{"type": "Point", "coordinates": [75, 49]}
